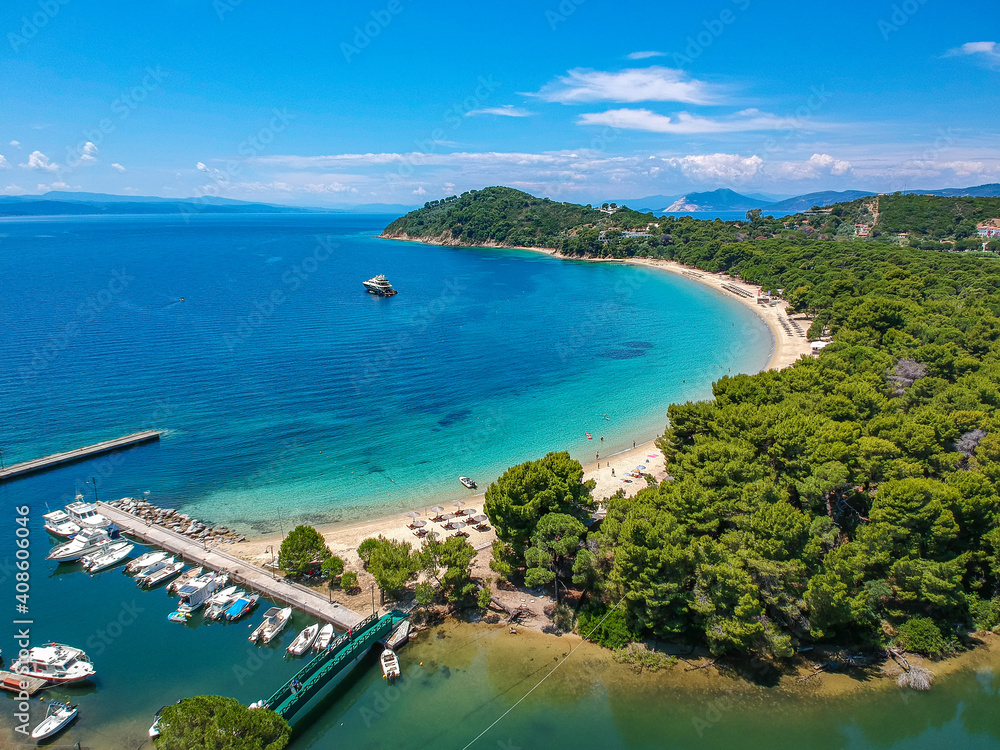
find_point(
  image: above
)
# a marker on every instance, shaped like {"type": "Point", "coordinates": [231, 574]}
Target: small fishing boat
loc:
{"type": "Point", "coordinates": [323, 639]}
{"type": "Point", "coordinates": [179, 616]}
{"type": "Point", "coordinates": [58, 523]}
{"type": "Point", "coordinates": [112, 555]}
{"type": "Point", "coordinates": [56, 718]}
{"type": "Point", "coordinates": [399, 636]}
{"type": "Point", "coordinates": [143, 561]}
{"type": "Point", "coordinates": [154, 576]}
{"type": "Point", "coordinates": [274, 622]}
{"type": "Point", "coordinates": [186, 578]}
{"type": "Point", "coordinates": [56, 663]}
{"type": "Point", "coordinates": [303, 640]}
{"type": "Point", "coordinates": [221, 601]}
{"type": "Point", "coordinates": [470, 484]}
{"type": "Point", "coordinates": [242, 606]}
{"type": "Point", "coordinates": [390, 664]}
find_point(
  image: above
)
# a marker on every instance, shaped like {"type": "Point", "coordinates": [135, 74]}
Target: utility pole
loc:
{"type": "Point", "coordinates": [373, 598]}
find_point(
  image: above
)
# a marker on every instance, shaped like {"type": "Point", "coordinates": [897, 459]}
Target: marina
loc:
{"type": "Point", "coordinates": [79, 454]}
{"type": "Point", "coordinates": [239, 571]}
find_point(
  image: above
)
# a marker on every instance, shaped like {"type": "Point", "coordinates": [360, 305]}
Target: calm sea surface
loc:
{"type": "Point", "coordinates": [285, 391]}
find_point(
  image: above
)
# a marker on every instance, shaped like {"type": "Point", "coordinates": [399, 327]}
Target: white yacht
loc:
{"type": "Point", "coordinates": [110, 555]}
{"type": "Point", "coordinates": [380, 286]}
{"type": "Point", "coordinates": [56, 663]}
{"type": "Point", "coordinates": [87, 542]}
{"type": "Point", "coordinates": [58, 523]}
{"type": "Point", "coordinates": [274, 622]}
{"type": "Point", "coordinates": [144, 561]}
{"type": "Point", "coordinates": [159, 572]}
{"type": "Point", "coordinates": [86, 515]}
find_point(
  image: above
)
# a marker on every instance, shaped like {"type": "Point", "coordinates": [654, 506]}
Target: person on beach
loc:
{"type": "Point", "coordinates": [612, 471]}
{"type": "Point", "coordinates": [598, 457]}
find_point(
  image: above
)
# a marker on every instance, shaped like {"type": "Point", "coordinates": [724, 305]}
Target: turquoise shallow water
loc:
{"type": "Point", "coordinates": [286, 391]}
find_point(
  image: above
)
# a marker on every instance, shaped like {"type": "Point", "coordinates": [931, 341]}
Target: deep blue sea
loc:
{"type": "Point", "coordinates": [284, 391]}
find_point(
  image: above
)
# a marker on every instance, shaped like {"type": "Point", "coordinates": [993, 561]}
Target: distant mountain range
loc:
{"type": "Point", "coordinates": [729, 200]}
{"type": "Point", "coordinates": [65, 203]}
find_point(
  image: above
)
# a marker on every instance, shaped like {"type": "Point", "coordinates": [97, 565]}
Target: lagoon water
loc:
{"type": "Point", "coordinates": [335, 404]}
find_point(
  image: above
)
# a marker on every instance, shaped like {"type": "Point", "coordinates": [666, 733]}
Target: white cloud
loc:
{"type": "Point", "coordinates": [15, 144]}
{"type": "Point", "coordinates": [507, 110]}
{"type": "Point", "coordinates": [646, 54]}
{"type": "Point", "coordinates": [40, 162]}
{"type": "Point", "coordinates": [88, 155]}
{"type": "Point", "coordinates": [4, 164]}
{"type": "Point", "coordinates": [688, 124]}
{"type": "Point", "coordinates": [14, 190]}
{"type": "Point", "coordinates": [119, 167]}
{"type": "Point", "coordinates": [961, 168]}
{"type": "Point", "coordinates": [653, 84]}
{"type": "Point", "coordinates": [53, 186]}
{"type": "Point", "coordinates": [816, 166]}
{"type": "Point", "coordinates": [420, 191]}
{"type": "Point", "coordinates": [715, 167]}
{"type": "Point", "coordinates": [990, 49]}
{"type": "Point", "coordinates": [200, 166]}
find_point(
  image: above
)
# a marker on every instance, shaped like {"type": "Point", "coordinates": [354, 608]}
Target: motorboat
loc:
{"type": "Point", "coordinates": [87, 542]}
{"type": "Point", "coordinates": [154, 575]}
{"type": "Point", "coordinates": [58, 523]}
{"type": "Point", "coordinates": [274, 622]}
{"type": "Point", "coordinates": [56, 718]}
{"type": "Point", "coordinates": [390, 664]}
{"type": "Point", "coordinates": [56, 663]}
{"type": "Point", "coordinates": [86, 515]}
{"type": "Point", "coordinates": [144, 561]}
{"type": "Point", "coordinates": [399, 636]}
{"type": "Point", "coordinates": [154, 728]}
{"type": "Point", "coordinates": [242, 606]}
{"type": "Point", "coordinates": [324, 637]}
{"type": "Point", "coordinates": [187, 577]}
{"type": "Point", "coordinates": [111, 555]}
{"type": "Point", "coordinates": [220, 602]}
{"type": "Point", "coordinates": [379, 286]}
{"type": "Point", "coordinates": [303, 640]}
{"type": "Point", "coordinates": [194, 594]}
{"type": "Point", "coordinates": [470, 484]}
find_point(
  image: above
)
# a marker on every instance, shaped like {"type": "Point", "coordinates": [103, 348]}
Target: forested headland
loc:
{"type": "Point", "coordinates": [851, 498]}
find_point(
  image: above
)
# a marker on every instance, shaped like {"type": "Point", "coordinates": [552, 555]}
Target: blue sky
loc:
{"type": "Point", "coordinates": [582, 100]}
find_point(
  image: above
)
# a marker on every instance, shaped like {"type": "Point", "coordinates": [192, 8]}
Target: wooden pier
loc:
{"type": "Point", "coordinates": [240, 571]}
{"type": "Point", "coordinates": [13, 682]}
{"type": "Point", "coordinates": [88, 451]}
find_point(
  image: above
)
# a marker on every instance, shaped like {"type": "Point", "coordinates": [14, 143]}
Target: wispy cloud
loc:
{"type": "Point", "coordinates": [688, 124]}
{"type": "Point", "coordinates": [507, 110]}
{"type": "Point", "coordinates": [645, 55]}
{"type": "Point", "coordinates": [89, 153]}
{"type": "Point", "coordinates": [653, 84]}
{"type": "Point", "coordinates": [988, 49]}
{"type": "Point", "coordinates": [4, 164]}
{"type": "Point", "coordinates": [420, 191]}
{"type": "Point", "coordinates": [815, 166]}
{"type": "Point", "coordinates": [15, 144]}
{"type": "Point", "coordinates": [117, 166]}
{"type": "Point", "coordinates": [40, 162]}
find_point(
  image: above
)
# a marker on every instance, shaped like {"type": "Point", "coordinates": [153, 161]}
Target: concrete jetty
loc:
{"type": "Point", "coordinates": [87, 451]}
{"type": "Point", "coordinates": [240, 571]}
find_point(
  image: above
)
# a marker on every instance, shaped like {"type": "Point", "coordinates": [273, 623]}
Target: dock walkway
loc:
{"type": "Point", "coordinates": [87, 451]}
{"type": "Point", "coordinates": [240, 571]}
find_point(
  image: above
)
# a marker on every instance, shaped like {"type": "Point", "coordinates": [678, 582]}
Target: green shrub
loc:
{"type": "Point", "coordinates": [608, 630]}
{"type": "Point", "coordinates": [349, 581]}
{"type": "Point", "coordinates": [986, 614]}
{"type": "Point", "coordinates": [920, 635]}
{"type": "Point", "coordinates": [642, 656]}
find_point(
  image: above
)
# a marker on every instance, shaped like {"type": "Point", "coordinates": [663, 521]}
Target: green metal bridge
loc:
{"type": "Point", "coordinates": [330, 664]}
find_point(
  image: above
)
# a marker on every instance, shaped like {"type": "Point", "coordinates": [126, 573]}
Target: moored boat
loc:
{"type": "Point", "coordinates": [390, 664]}
{"type": "Point", "coordinates": [303, 640]}
{"type": "Point", "coordinates": [274, 622]}
{"type": "Point", "coordinates": [195, 593]}
{"type": "Point", "coordinates": [470, 484]}
{"type": "Point", "coordinates": [56, 718]}
{"type": "Point", "coordinates": [143, 561]}
{"type": "Point", "coordinates": [56, 663]}
{"type": "Point", "coordinates": [111, 555]}
{"type": "Point", "coordinates": [87, 542]}
{"type": "Point", "coordinates": [154, 729]}
{"type": "Point", "coordinates": [58, 523]}
{"type": "Point", "coordinates": [221, 601]}
{"type": "Point", "coordinates": [185, 578]}
{"type": "Point", "coordinates": [324, 637]}
{"type": "Point", "coordinates": [153, 576]}
{"type": "Point", "coordinates": [399, 636]}
{"type": "Point", "coordinates": [86, 515]}
{"type": "Point", "coordinates": [242, 606]}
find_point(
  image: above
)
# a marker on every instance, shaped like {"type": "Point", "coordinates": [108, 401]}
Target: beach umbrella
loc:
{"type": "Point", "coordinates": [412, 514]}
{"type": "Point", "coordinates": [418, 524]}
{"type": "Point", "coordinates": [470, 511]}
{"type": "Point", "coordinates": [458, 503]}
{"type": "Point", "coordinates": [480, 519]}
{"type": "Point", "coordinates": [437, 509]}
